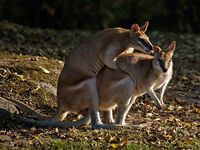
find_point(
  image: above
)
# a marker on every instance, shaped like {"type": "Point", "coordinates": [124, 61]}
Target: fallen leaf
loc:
{"type": "Point", "coordinates": [169, 137]}
{"type": "Point", "coordinates": [172, 118]}
{"type": "Point", "coordinates": [124, 139]}
{"type": "Point", "coordinates": [30, 142]}
{"type": "Point", "coordinates": [56, 130]}
{"type": "Point", "coordinates": [149, 114]}
{"type": "Point", "coordinates": [157, 119]}
{"type": "Point", "coordinates": [198, 111]}
{"type": "Point", "coordinates": [36, 137]}
{"type": "Point", "coordinates": [187, 142]}
{"type": "Point", "coordinates": [42, 69]}
{"type": "Point", "coordinates": [114, 145]}
{"type": "Point", "coordinates": [170, 107]}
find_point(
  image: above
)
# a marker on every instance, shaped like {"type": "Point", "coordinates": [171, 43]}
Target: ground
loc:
{"type": "Point", "coordinates": [30, 64]}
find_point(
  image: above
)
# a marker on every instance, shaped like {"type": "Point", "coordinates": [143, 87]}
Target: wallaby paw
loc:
{"type": "Point", "coordinates": [111, 121]}
{"type": "Point", "coordinates": [159, 107]}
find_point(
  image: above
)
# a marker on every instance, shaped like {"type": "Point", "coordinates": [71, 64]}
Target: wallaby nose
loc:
{"type": "Point", "coordinates": [151, 47]}
{"type": "Point", "coordinates": [164, 70]}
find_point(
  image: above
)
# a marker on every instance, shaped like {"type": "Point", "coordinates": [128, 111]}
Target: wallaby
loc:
{"type": "Point", "coordinates": [138, 74]}
{"type": "Point", "coordinates": [77, 87]}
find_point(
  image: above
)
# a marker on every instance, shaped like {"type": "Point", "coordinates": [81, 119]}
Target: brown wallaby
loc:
{"type": "Point", "coordinates": [77, 87]}
{"type": "Point", "coordinates": [138, 74]}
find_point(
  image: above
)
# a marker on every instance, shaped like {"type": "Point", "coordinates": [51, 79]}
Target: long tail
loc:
{"type": "Point", "coordinates": [53, 123]}
{"type": "Point", "coordinates": [26, 108]}
{"type": "Point", "coordinates": [44, 120]}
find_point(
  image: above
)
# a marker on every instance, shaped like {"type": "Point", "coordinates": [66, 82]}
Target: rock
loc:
{"type": "Point", "coordinates": [7, 107]}
{"type": "Point", "coordinates": [48, 87]}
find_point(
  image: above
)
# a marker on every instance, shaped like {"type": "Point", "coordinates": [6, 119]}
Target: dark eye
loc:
{"type": "Point", "coordinates": [141, 40]}
{"type": "Point", "coordinates": [170, 60]}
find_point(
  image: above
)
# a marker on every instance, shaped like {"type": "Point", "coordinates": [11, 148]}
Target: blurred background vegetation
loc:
{"type": "Point", "coordinates": [164, 15]}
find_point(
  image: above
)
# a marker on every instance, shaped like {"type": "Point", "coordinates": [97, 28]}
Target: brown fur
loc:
{"type": "Point", "coordinates": [77, 88]}
{"type": "Point", "coordinates": [77, 82]}
{"type": "Point", "coordinates": [139, 74]}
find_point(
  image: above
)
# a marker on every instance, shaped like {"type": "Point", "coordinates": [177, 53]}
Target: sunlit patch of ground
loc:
{"type": "Point", "coordinates": [30, 64]}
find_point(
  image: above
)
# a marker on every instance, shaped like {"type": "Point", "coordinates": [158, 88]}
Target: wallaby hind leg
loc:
{"type": "Point", "coordinates": [162, 91]}
{"type": "Point", "coordinates": [93, 106]}
{"type": "Point", "coordinates": [108, 117]}
{"type": "Point", "coordinates": [93, 103]}
{"type": "Point", "coordinates": [123, 111]}
{"type": "Point", "coordinates": [61, 115]}
{"type": "Point", "coordinates": [156, 99]}
{"type": "Point", "coordinates": [93, 99]}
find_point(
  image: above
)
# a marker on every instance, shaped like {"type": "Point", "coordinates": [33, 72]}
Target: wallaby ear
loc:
{"type": "Point", "coordinates": [171, 47]}
{"type": "Point", "coordinates": [156, 49]}
{"type": "Point", "coordinates": [145, 26]}
{"type": "Point", "coordinates": [135, 28]}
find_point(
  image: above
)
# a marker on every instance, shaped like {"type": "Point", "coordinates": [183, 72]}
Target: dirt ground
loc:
{"type": "Point", "coordinates": [30, 63]}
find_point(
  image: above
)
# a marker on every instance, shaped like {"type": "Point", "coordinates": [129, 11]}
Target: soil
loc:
{"type": "Point", "coordinates": [31, 61]}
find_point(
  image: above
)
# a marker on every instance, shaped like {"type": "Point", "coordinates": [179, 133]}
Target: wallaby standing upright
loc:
{"type": "Point", "coordinates": [77, 87]}
{"type": "Point", "coordinates": [138, 74]}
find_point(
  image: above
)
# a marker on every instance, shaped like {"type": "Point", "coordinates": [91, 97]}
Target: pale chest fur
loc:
{"type": "Point", "coordinates": [153, 80]}
{"type": "Point", "coordinates": [161, 78]}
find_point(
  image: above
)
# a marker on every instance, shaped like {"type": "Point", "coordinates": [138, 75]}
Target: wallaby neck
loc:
{"type": "Point", "coordinates": [116, 42]}
{"type": "Point", "coordinates": [125, 39]}
{"type": "Point", "coordinates": [159, 72]}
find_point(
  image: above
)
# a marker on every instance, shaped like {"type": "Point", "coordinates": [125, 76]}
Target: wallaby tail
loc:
{"type": "Point", "coordinates": [26, 108]}
{"type": "Point", "coordinates": [53, 124]}
{"type": "Point", "coordinates": [44, 120]}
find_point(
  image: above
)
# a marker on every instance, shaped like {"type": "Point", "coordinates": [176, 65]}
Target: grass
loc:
{"type": "Point", "coordinates": [30, 64]}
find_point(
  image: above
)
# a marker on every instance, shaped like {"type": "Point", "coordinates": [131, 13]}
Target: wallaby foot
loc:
{"type": "Point", "coordinates": [108, 117]}
{"type": "Point", "coordinates": [159, 107]}
{"type": "Point", "coordinates": [116, 126]}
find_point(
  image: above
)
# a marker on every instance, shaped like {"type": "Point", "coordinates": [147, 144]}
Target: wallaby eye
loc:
{"type": "Point", "coordinates": [141, 40]}
{"type": "Point", "coordinates": [170, 60]}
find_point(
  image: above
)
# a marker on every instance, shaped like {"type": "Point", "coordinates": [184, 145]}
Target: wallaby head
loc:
{"type": "Point", "coordinates": [163, 58]}
{"type": "Point", "coordinates": [138, 39]}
